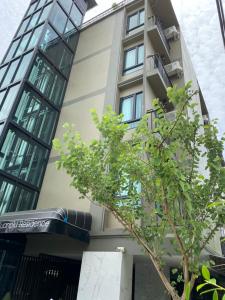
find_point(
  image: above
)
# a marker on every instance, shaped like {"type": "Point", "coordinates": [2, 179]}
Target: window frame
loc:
{"type": "Point", "coordinates": [138, 13]}
{"type": "Point", "coordinates": [134, 101]}
{"type": "Point", "coordinates": [137, 65]}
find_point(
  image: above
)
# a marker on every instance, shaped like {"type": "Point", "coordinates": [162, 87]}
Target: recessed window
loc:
{"type": "Point", "coordinates": [136, 20]}
{"type": "Point", "coordinates": [133, 59]}
{"type": "Point", "coordinates": [131, 108]}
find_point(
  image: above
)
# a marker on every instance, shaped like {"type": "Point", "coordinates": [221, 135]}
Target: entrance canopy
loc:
{"type": "Point", "coordinates": [50, 221]}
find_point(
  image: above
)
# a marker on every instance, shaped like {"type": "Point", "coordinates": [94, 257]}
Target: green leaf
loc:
{"type": "Point", "coordinates": [215, 296]}
{"type": "Point", "coordinates": [223, 297]}
{"type": "Point", "coordinates": [205, 272]}
{"type": "Point", "coordinates": [200, 286]}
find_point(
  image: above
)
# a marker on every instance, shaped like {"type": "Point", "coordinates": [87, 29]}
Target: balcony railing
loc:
{"type": "Point", "coordinates": [156, 63]}
{"type": "Point", "coordinates": [153, 20]}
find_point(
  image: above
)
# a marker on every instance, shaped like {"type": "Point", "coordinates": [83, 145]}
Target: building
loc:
{"type": "Point", "coordinates": [55, 70]}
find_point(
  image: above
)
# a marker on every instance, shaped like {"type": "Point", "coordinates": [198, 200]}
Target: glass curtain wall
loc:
{"type": "Point", "coordinates": [33, 79]}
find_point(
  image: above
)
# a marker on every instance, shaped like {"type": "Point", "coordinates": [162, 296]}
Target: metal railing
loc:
{"type": "Point", "coordinates": [105, 13]}
{"type": "Point", "coordinates": [156, 63]}
{"type": "Point", "coordinates": [153, 20]}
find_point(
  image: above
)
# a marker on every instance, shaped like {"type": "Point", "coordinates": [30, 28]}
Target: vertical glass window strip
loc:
{"type": "Point", "coordinates": [23, 66]}
{"type": "Point", "coordinates": [130, 58]}
{"type": "Point", "coordinates": [35, 37]}
{"type": "Point", "coordinates": [76, 16]}
{"type": "Point", "coordinates": [23, 26]}
{"type": "Point", "coordinates": [7, 101]}
{"type": "Point", "coordinates": [23, 44]}
{"type": "Point", "coordinates": [45, 13]}
{"type": "Point", "coordinates": [32, 8]}
{"type": "Point", "coordinates": [2, 95]}
{"type": "Point", "coordinates": [10, 72]}
{"type": "Point", "coordinates": [71, 35]}
{"type": "Point", "coordinates": [12, 50]}
{"type": "Point", "coordinates": [132, 21]}
{"type": "Point", "coordinates": [138, 106]}
{"type": "Point", "coordinates": [140, 54]}
{"type": "Point", "coordinates": [141, 17]}
{"type": "Point", "coordinates": [35, 116]}
{"type": "Point", "coordinates": [2, 72]}
{"type": "Point", "coordinates": [34, 20]}
{"type": "Point", "coordinates": [47, 81]}
{"type": "Point", "coordinates": [58, 19]}
{"type": "Point", "coordinates": [66, 4]}
{"type": "Point", "coordinates": [22, 158]}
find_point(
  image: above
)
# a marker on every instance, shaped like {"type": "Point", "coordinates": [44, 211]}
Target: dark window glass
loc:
{"type": "Point", "coordinates": [47, 81]}
{"type": "Point", "coordinates": [45, 13]}
{"type": "Point", "coordinates": [7, 101]}
{"type": "Point", "coordinates": [2, 95]}
{"type": "Point", "coordinates": [66, 4]}
{"type": "Point", "coordinates": [10, 72]}
{"type": "Point", "coordinates": [76, 16]}
{"type": "Point", "coordinates": [135, 20]}
{"type": "Point", "coordinates": [12, 50]}
{"type": "Point", "coordinates": [35, 37]}
{"type": "Point", "coordinates": [23, 26]}
{"type": "Point", "coordinates": [15, 198]}
{"type": "Point", "coordinates": [35, 116]}
{"type": "Point", "coordinates": [133, 59]}
{"type": "Point", "coordinates": [23, 44]}
{"type": "Point", "coordinates": [23, 66]}
{"type": "Point", "coordinates": [32, 8]}
{"type": "Point", "coordinates": [71, 35]}
{"type": "Point", "coordinates": [57, 51]}
{"type": "Point", "coordinates": [2, 72]}
{"type": "Point", "coordinates": [23, 158]}
{"type": "Point", "coordinates": [58, 19]}
{"type": "Point", "coordinates": [131, 108]}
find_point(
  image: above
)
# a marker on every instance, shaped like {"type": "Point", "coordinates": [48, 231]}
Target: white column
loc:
{"type": "Point", "coordinates": [105, 276]}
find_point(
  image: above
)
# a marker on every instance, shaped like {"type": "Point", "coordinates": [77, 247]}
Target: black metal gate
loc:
{"type": "Point", "coordinates": [46, 277]}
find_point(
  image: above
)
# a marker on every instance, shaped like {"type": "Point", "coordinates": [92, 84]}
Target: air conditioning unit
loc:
{"type": "Point", "coordinates": [171, 116]}
{"type": "Point", "coordinates": [174, 69]}
{"type": "Point", "coordinates": [172, 33]}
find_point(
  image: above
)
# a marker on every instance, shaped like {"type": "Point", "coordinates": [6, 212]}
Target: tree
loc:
{"type": "Point", "coordinates": [174, 198]}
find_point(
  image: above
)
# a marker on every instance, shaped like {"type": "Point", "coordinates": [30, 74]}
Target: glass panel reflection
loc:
{"type": "Point", "coordinates": [35, 116]}
{"type": "Point", "coordinates": [58, 19]}
{"type": "Point", "coordinates": [7, 101]}
{"type": "Point", "coordinates": [23, 158]}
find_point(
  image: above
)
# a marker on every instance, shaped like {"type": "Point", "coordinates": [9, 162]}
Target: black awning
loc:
{"type": "Point", "coordinates": [50, 221]}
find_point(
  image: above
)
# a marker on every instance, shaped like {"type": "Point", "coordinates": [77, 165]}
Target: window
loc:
{"type": "Point", "coordinates": [45, 13]}
{"type": "Point", "coordinates": [35, 116]}
{"type": "Point", "coordinates": [10, 72]}
{"type": "Point", "coordinates": [133, 59]}
{"type": "Point", "coordinates": [76, 16]}
{"type": "Point", "coordinates": [32, 8]}
{"type": "Point", "coordinates": [6, 101]}
{"type": "Point", "coordinates": [48, 81]}
{"type": "Point", "coordinates": [15, 198]}
{"type": "Point", "coordinates": [2, 73]}
{"type": "Point", "coordinates": [57, 51]}
{"type": "Point", "coordinates": [12, 50]}
{"type": "Point", "coordinates": [23, 26]}
{"type": "Point", "coordinates": [66, 4]}
{"type": "Point", "coordinates": [71, 35]}
{"type": "Point", "coordinates": [23, 66]}
{"type": "Point", "coordinates": [58, 19]}
{"type": "Point", "coordinates": [23, 44]}
{"type": "Point", "coordinates": [136, 20]}
{"type": "Point", "coordinates": [34, 20]}
{"type": "Point", "coordinates": [35, 36]}
{"type": "Point", "coordinates": [131, 108]}
{"type": "Point", "coordinates": [23, 158]}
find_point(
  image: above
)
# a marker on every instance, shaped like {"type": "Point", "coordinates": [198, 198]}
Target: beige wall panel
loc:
{"type": "Point", "coordinates": [111, 222]}
{"type": "Point", "coordinates": [56, 192]}
{"type": "Point", "coordinates": [95, 38]}
{"type": "Point", "coordinates": [132, 90]}
{"type": "Point", "coordinates": [79, 114]}
{"type": "Point", "coordinates": [88, 76]}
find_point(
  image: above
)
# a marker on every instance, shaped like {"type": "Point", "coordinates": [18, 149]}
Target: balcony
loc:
{"type": "Point", "coordinates": [157, 76]}
{"type": "Point", "coordinates": [157, 37]}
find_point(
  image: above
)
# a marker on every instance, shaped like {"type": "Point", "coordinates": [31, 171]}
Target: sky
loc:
{"type": "Point", "coordinates": [200, 25]}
